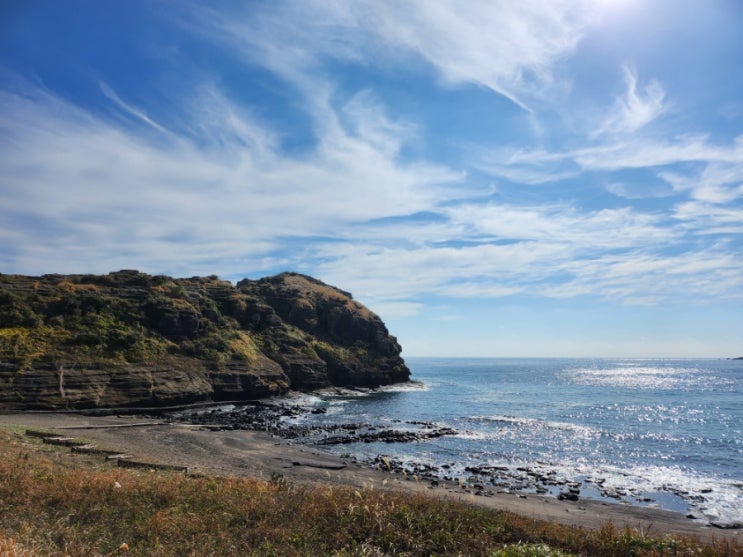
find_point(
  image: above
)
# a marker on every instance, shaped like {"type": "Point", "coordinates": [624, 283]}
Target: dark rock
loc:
{"type": "Point", "coordinates": [727, 525]}
{"type": "Point", "coordinates": [568, 496]}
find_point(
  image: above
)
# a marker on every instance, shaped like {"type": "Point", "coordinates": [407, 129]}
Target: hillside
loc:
{"type": "Point", "coordinates": [131, 339]}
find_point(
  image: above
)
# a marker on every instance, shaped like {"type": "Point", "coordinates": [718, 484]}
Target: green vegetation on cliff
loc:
{"type": "Point", "coordinates": [128, 338]}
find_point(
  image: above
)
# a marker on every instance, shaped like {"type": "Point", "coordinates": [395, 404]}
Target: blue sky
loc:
{"type": "Point", "coordinates": [493, 178]}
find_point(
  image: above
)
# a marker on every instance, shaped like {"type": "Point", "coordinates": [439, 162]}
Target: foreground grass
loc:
{"type": "Point", "coordinates": [54, 503]}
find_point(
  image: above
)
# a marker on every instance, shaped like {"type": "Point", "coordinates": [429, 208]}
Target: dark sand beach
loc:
{"type": "Point", "coordinates": [262, 456]}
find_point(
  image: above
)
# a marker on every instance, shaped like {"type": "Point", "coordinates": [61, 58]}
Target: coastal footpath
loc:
{"type": "Point", "coordinates": [129, 339]}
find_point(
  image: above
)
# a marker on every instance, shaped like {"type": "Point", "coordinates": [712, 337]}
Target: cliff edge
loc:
{"type": "Point", "coordinates": [128, 339]}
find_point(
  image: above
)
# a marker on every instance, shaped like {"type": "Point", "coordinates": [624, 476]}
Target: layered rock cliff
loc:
{"type": "Point", "coordinates": [131, 339]}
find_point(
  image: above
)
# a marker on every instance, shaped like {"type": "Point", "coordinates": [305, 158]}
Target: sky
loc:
{"type": "Point", "coordinates": [493, 178]}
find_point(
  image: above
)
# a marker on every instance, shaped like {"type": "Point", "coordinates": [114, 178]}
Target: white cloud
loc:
{"type": "Point", "coordinates": [699, 274]}
{"type": "Point", "coordinates": [511, 48]}
{"type": "Point", "coordinates": [640, 275]}
{"type": "Point", "coordinates": [639, 189]}
{"type": "Point", "coordinates": [640, 152]}
{"type": "Point", "coordinates": [635, 109]}
{"type": "Point", "coordinates": [717, 175]}
{"type": "Point", "coordinates": [646, 152]}
{"type": "Point", "coordinates": [708, 219]}
{"type": "Point", "coordinates": [526, 167]}
{"type": "Point", "coordinates": [401, 273]}
{"type": "Point", "coordinates": [717, 182]}
{"type": "Point", "coordinates": [128, 108]}
{"type": "Point", "coordinates": [369, 123]}
{"type": "Point", "coordinates": [73, 179]}
{"type": "Point", "coordinates": [601, 229]}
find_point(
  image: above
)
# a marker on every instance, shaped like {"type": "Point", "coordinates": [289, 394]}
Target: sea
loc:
{"type": "Point", "coordinates": [648, 432]}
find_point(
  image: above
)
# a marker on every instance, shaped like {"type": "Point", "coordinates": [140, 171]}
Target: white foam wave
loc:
{"type": "Point", "coordinates": [344, 392]}
{"type": "Point", "coordinates": [718, 499]}
{"type": "Point", "coordinates": [536, 423]}
{"type": "Point", "coordinates": [410, 386]}
{"type": "Point", "coordinates": [474, 436]}
{"type": "Point", "coordinates": [300, 399]}
{"type": "Point", "coordinates": [359, 392]}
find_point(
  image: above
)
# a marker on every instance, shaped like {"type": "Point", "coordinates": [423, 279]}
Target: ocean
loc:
{"type": "Point", "coordinates": [660, 432]}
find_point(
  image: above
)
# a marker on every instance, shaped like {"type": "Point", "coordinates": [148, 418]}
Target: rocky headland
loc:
{"type": "Point", "coordinates": [129, 339]}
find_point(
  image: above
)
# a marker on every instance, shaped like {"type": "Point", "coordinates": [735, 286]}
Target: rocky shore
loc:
{"type": "Point", "coordinates": [283, 419]}
{"type": "Point", "coordinates": [217, 450]}
{"type": "Point", "coordinates": [275, 418]}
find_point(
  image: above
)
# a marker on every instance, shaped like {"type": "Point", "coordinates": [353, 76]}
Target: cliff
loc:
{"type": "Point", "coordinates": [131, 339]}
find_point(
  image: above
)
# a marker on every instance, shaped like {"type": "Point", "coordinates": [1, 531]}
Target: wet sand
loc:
{"type": "Point", "coordinates": [260, 455]}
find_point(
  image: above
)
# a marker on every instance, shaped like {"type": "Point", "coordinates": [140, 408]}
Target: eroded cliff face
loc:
{"type": "Point", "coordinates": [323, 336]}
{"type": "Point", "coordinates": [131, 339]}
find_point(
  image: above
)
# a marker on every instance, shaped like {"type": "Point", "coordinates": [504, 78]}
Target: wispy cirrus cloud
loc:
{"type": "Point", "coordinates": [71, 177]}
{"type": "Point", "coordinates": [127, 108]}
{"type": "Point", "coordinates": [602, 229]}
{"type": "Point", "coordinates": [640, 152]}
{"type": "Point", "coordinates": [636, 108]}
{"type": "Point", "coordinates": [511, 48]}
{"type": "Point", "coordinates": [653, 279]}
{"type": "Point", "coordinates": [716, 176]}
{"type": "Point", "coordinates": [717, 182]}
{"type": "Point", "coordinates": [710, 219]}
{"type": "Point", "coordinates": [538, 269]}
{"type": "Point", "coordinates": [646, 152]}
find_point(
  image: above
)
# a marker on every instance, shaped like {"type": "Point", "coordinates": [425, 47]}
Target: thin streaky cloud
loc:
{"type": "Point", "coordinates": [118, 173]}
{"type": "Point", "coordinates": [636, 108]}
{"type": "Point", "coordinates": [510, 48]}
{"type": "Point", "coordinates": [128, 108]}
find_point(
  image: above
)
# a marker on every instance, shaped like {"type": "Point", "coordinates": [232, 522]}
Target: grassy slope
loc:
{"type": "Point", "coordinates": [280, 332]}
{"type": "Point", "coordinates": [117, 317]}
{"type": "Point", "coordinates": [56, 503]}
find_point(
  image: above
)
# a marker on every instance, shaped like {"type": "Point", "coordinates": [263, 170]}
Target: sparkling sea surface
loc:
{"type": "Point", "coordinates": [667, 433]}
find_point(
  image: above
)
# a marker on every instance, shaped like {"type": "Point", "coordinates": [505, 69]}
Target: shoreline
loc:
{"type": "Point", "coordinates": [260, 455]}
{"type": "Point", "coordinates": [285, 418]}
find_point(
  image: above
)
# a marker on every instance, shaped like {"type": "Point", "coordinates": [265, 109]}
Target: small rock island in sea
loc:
{"type": "Point", "coordinates": [129, 339]}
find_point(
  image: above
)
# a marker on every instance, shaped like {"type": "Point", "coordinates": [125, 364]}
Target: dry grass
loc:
{"type": "Point", "coordinates": [74, 287]}
{"type": "Point", "coordinates": [54, 503]}
{"type": "Point", "coordinates": [243, 347]}
{"type": "Point", "coordinates": [311, 289]}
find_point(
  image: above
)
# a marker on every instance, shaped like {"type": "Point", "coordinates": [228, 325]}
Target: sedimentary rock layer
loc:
{"type": "Point", "coordinates": [131, 339]}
